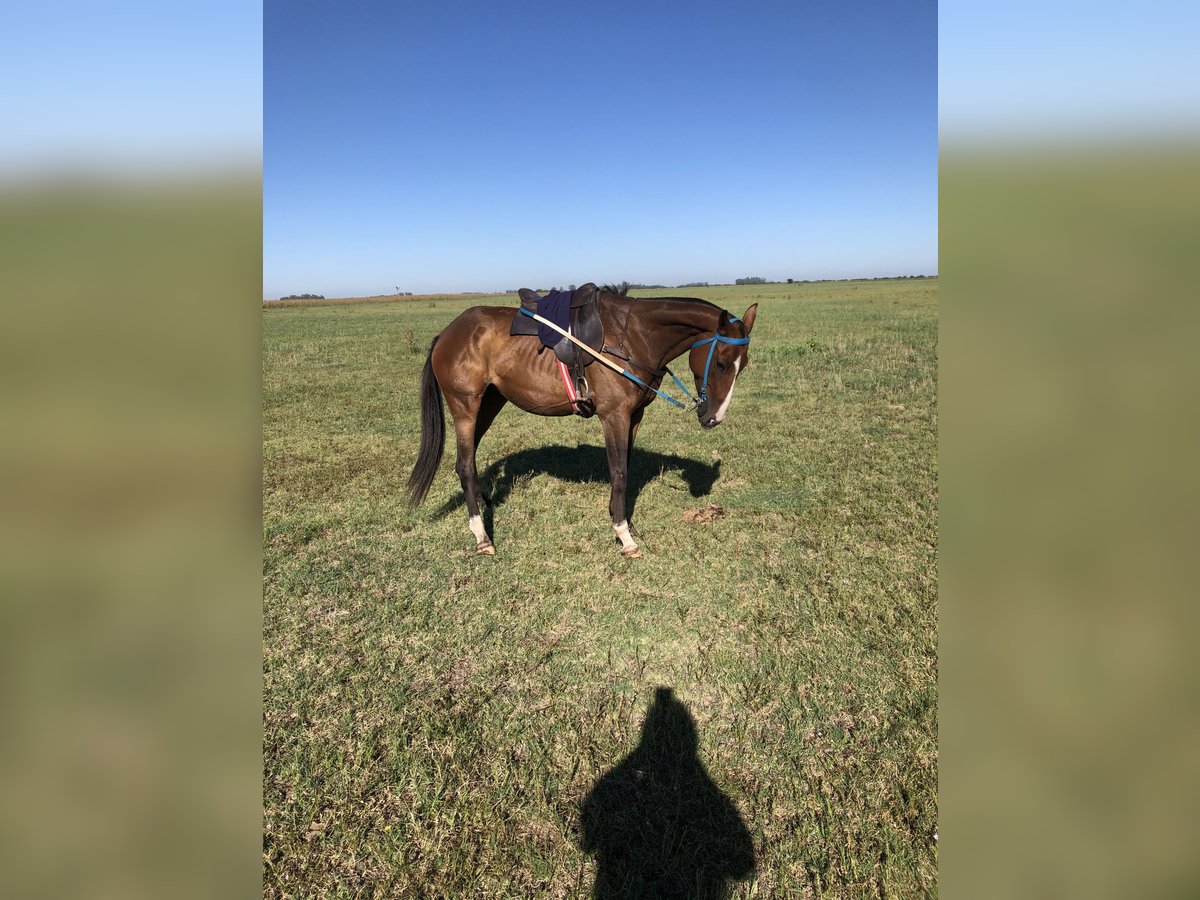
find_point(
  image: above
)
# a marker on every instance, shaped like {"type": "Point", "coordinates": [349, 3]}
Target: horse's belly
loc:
{"type": "Point", "coordinates": [526, 377]}
{"type": "Point", "coordinates": [532, 381]}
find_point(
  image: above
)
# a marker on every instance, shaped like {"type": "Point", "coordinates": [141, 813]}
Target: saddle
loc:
{"type": "Point", "coordinates": [584, 324]}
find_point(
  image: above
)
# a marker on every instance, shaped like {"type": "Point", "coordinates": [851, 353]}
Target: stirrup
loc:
{"type": "Point", "coordinates": [585, 406]}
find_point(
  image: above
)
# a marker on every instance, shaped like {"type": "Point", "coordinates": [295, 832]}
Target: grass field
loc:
{"type": "Point", "coordinates": [442, 724]}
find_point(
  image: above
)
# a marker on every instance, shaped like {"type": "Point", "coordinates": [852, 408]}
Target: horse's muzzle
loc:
{"type": "Point", "coordinates": [706, 420]}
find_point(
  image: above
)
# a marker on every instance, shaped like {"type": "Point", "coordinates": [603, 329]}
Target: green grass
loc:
{"type": "Point", "coordinates": [435, 719]}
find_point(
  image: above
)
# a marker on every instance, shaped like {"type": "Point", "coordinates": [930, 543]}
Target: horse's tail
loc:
{"type": "Point", "coordinates": [433, 433]}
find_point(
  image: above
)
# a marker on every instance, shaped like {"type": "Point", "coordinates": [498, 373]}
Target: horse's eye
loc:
{"type": "Point", "coordinates": [721, 366]}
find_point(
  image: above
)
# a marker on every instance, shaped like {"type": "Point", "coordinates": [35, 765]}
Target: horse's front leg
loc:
{"type": "Point", "coordinates": [635, 422]}
{"type": "Point", "coordinates": [617, 429]}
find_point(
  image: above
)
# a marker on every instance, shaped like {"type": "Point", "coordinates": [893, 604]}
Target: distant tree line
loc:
{"type": "Point", "coordinates": [876, 278]}
{"type": "Point", "coordinates": [303, 297]}
{"type": "Point", "coordinates": [754, 279]}
{"type": "Point", "coordinates": [624, 285]}
{"type": "Point", "coordinates": [750, 279]}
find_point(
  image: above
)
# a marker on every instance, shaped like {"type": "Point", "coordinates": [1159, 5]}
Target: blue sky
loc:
{"type": "Point", "coordinates": [482, 146]}
{"type": "Point", "coordinates": [1029, 71]}
{"type": "Point", "coordinates": [130, 85]}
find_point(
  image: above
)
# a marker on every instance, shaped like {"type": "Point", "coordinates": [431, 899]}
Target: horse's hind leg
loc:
{"type": "Point", "coordinates": [466, 412]}
{"type": "Point", "coordinates": [489, 407]}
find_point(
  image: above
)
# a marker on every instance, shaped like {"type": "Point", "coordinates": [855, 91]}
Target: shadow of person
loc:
{"type": "Point", "coordinates": [582, 465]}
{"type": "Point", "coordinates": [657, 824]}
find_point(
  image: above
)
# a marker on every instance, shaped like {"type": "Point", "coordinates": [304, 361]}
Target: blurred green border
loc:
{"type": "Point", "coordinates": [1068, 380]}
{"type": "Point", "coordinates": [131, 535]}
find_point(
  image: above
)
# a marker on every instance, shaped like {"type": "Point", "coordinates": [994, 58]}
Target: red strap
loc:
{"type": "Point", "coordinates": [566, 377]}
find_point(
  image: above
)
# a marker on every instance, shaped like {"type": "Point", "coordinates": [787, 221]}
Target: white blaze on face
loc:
{"type": "Point", "coordinates": [720, 416]}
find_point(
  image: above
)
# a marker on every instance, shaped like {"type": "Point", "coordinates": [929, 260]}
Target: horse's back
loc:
{"type": "Point", "coordinates": [475, 325]}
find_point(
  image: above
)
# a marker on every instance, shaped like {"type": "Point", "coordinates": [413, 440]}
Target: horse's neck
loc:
{"type": "Point", "coordinates": [667, 327]}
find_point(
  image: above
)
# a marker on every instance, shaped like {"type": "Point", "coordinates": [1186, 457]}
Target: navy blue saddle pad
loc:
{"type": "Point", "coordinates": [555, 306]}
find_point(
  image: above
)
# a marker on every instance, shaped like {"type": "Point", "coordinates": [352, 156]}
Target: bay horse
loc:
{"type": "Point", "coordinates": [478, 367]}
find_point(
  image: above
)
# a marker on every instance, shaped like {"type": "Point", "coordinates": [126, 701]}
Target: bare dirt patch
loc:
{"type": "Point", "coordinates": [710, 513]}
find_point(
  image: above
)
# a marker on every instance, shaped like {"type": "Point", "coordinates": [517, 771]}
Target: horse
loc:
{"type": "Point", "coordinates": [475, 366]}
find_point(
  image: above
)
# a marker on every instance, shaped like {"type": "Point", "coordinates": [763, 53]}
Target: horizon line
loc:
{"type": "Point", "coordinates": [635, 287]}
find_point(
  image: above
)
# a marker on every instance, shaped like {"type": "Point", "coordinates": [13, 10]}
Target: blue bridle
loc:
{"type": "Point", "coordinates": [700, 404]}
{"type": "Point", "coordinates": [712, 342]}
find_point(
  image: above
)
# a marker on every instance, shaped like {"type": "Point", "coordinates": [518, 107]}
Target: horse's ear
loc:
{"type": "Point", "coordinates": [723, 321]}
{"type": "Point", "coordinates": [748, 317]}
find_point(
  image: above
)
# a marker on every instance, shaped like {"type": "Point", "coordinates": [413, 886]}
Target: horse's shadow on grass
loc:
{"type": "Point", "coordinates": [657, 824]}
{"type": "Point", "coordinates": [584, 464]}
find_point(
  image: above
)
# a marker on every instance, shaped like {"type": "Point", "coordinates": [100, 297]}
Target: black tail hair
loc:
{"type": "Point", "coordinates": [433, 433]}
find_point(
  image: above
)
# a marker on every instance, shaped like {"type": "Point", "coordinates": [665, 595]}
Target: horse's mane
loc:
{"type": "Point", "coordinates": [622, 290]}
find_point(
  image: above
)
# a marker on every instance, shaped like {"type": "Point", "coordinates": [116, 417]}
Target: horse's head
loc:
{"type": "Point", "coordinates": [717, 363]}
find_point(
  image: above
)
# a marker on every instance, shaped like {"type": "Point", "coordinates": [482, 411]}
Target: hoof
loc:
{"type": "Point", "coordinates": [486, 549]}
{"type": "Point", "coordinates": [633, 553]}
